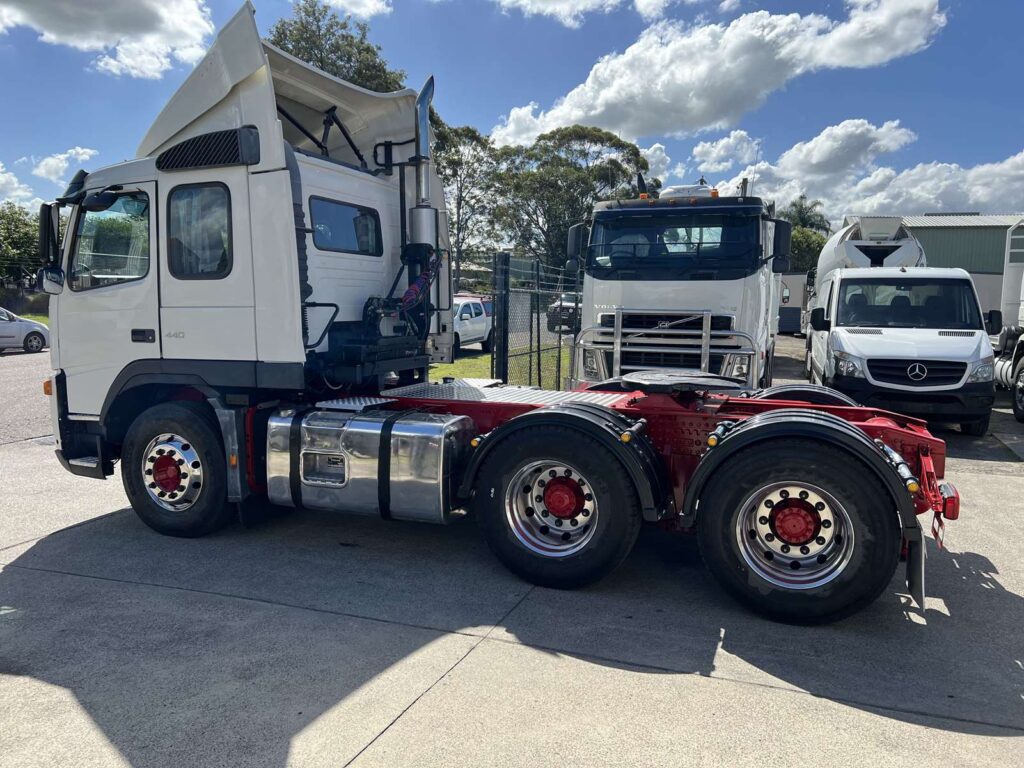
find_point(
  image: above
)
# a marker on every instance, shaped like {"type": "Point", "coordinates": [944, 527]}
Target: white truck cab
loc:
{"type": "Point", "coordinates": [908, 339]}
{"type": "Point", "coordinates": [690, 280]}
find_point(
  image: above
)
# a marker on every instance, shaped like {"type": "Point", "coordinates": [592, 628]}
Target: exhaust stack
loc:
{"type": "Point", "coordinates": [423, 217]}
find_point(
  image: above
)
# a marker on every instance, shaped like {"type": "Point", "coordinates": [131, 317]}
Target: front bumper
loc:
{"type": "Point", "coordinates": [971, 402]}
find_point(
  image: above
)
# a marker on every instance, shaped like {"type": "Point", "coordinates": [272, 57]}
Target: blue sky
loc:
{"type": "Point", "coordinates": [894, 106]}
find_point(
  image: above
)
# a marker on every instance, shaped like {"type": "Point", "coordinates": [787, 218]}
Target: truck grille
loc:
{"type": "Point", "coordinates": [693, 323]}
{"type": "Point", "coordinates": [937, 373]}
{"type": "Point", "coordinates": [634, 361]}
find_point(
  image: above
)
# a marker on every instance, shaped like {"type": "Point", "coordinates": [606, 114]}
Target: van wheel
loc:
{"type": "Point", "coordinates": [556, 507]}
{"type": "Point", "coordinates": [1018, 395]}
{"type": "Point", "coordinates": [34, 342]}
{"type": "Point", "coordinates": [978, 428]}
{"type": "Point", "coordinates": [173, 470]}
{"type": "Point", "coordinates": [798, 541]}
{"type": "Point", "coordinates": [487, 343]}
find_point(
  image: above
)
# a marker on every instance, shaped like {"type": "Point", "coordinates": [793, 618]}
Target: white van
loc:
{"type": "Point", "coordinates": [908, 339]}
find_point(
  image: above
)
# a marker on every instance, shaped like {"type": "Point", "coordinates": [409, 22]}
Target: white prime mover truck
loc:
{"type": "Point", "coordinates": [244, 314]}
{"type": "Point", "coordinates": [687, 280]}
{"type": "Point", "coordinates": [890, 332]}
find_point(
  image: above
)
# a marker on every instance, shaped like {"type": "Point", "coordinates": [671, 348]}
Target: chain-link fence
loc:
{"type": "Point", "coordinates": [536, 315]}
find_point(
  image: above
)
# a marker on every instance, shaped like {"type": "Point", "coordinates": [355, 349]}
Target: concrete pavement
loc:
{"type": "Point", "coordinates": [319, 639]}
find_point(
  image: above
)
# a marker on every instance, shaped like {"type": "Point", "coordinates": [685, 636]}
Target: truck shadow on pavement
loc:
{"type": "Point", "coordinates": [310, 634]}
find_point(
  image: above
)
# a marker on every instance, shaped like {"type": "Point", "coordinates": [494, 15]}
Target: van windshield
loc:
{"type": "Point", "coordinates": [908, 303]}
{"type": "Point", "coordinates": [674, 247]}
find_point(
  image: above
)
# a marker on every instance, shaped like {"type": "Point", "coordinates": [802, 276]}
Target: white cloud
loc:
{"type": "Point", "coordinates": [55, 166]}
{"type": "Point", "coordinates": [716, 156]}
{"type": "Point", "coordinates": [677, 79]}
{"type": "Point", "coordinates": [657, 160]}
{"type": "Point", "coordinates": [680, 171]}
{"type": "Point", "coordinates": [11, 188]}
{"type": "Point", "coordinates": [571, 12]}
{"type": "Point", "coordinates": [840, 166]}
{"type": "Point", "coordinates": [363, 9]}
{"type": "Point", "coordinates": [728, 6]}
{"type": "Point", "coordinates": [137, 38]}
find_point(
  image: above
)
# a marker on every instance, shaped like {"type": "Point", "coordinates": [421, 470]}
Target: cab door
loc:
{"type": "Point", "coordinates": [819, 339]}
{"type": "Point", "coordinates": [207, 311]}
{"type": "Point", "coordinates": [107, 314]}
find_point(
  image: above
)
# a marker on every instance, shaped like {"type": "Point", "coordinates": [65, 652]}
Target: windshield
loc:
{"type": "Point", "coordinates": [674, 247]}
{"type": "Point", "coordinates": [908, 303]}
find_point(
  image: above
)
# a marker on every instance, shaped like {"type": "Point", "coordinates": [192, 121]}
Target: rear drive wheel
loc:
{"type": "Point", "coordinates": [1018, 395]}
{"type": "Point", "coordinates": [173, 471]}
{"type": "Point", "coordinates": [556, 507]}
{"type": "Point", "coordinates": [979, 428]}
{"type": "Point", "coordinates": [34, 342]}
{"type": "Point", "coordinates": [488, 343]}
{"type": "Point", "coordinates": [799, 541]}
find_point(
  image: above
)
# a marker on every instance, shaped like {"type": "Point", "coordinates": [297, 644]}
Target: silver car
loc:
{"type": "Point", "coordinates": [21, 333]}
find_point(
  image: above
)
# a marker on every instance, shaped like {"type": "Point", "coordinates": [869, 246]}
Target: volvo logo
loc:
{"type": "Point", "coordinates": [916, 372]}
{"type": "Point", "coordinates": [664, 324]}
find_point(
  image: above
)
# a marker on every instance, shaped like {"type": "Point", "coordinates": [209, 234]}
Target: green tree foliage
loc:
{"type": "Point", "coordinates": [466, 161]}
{"type": "Point", "coordinates": [19, 241]}
{"type": "Point", "coordinates": [807, 214]}
{"type": "Point", "coordinates": [318, 36]}
{"type": "Point", "coordinates": [543, 189]}
{"type": "Point", "coordinates": [807, 245]}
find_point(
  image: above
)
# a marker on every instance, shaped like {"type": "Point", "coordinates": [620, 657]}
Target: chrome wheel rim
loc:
{"type": "Point", "coordinates": [34, 343]}
{"type": "Point", "coordinates": [172, 472]}
{"type": "Point", "coordinates": [551, 509]}
{"type": "Point", "coordinates": [794, 535]}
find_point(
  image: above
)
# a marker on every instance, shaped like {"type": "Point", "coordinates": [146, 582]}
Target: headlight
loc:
{"type": "Point", "coordinates": [982, 371]}
{"type": "Point", "coordinates": [848, 365]}
{"type": "Point", "coordinates": [593, 365]}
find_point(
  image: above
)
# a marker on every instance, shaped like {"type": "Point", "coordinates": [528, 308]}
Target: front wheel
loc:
{"type": "Point", "coordinates": [34, 342]}
{"type": "Point", "coordinates": [173, 470]}
{"type": "Point", "coordinates": [487, 344]}
{"type": "Point", "coordinates": [556, 507]}
{"type": "Point", "coordinates": [800, 541]}
{"type": "Point", "coordinates": [1018, 395]}
{"type": "Point", "coordinates": [979, 428]}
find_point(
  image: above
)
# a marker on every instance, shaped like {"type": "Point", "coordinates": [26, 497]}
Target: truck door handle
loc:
{"type": "Point", "coordinates": [144, 335]}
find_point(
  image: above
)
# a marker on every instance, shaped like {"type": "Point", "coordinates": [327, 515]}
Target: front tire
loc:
{"type": "Point", "coordinates": [1017, 393]}
{"type": "Point", "coordinates": [768, 507]}
{"type": "Point", "coordinates": [487, 344]}
{"type": "Point", "coordinates": [173, 470]}
{"type": "Point", "coordinates": [556, 507]}
{"type": "Point", "coordinates": [34, 342]}
{"type": "Point", "coordinates": [978, 428]}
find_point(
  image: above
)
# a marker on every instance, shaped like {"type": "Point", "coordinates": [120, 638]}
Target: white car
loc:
{"type": "Point", "coordinates": [472, 323]}
{"type": "Point", "coordinates": [21, 333]}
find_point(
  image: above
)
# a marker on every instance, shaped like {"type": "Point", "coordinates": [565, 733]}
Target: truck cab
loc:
{"type": "Point", "coordinates": [908, 339]}
{"type": "Point", "coordinates": [690, 280]}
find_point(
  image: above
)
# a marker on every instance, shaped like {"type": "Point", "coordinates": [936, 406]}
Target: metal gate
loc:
{"type": "Point", "coordinates": [535, 317]}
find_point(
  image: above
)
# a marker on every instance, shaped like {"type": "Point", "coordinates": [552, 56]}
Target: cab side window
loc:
{"type": "Point", "coordinates": [477, 309]}
{"type": "Point", "coordinates": [199, 232]}
{"type": "Point", "coordinates": [345, 227]}
{"type": "Point", "coordinates": [111, 246]}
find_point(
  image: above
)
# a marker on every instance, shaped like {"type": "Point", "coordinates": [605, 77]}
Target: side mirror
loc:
{"type": "Point", "coordinates": [818, 321]}
{"type": "Point", "coordinates": [50, 280]}
{"type": "Point", "coordinates": [994, 322]}
{"type": "Point", "coordinates": [577, 236]}
{"type": "Point", "coordinates": [49, 233]}
{"type": "Point", "coordinates": [572, 265]}
{"type": "Point", "coordinates": [782, 245]}
{"type": "Point", "coordinates": [780, 264]}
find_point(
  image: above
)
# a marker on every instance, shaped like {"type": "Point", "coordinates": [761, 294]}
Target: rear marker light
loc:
{"type": "Point", "coordinates": [48, 387]}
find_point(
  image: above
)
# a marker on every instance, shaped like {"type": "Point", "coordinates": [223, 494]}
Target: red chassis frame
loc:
{"type": "Point", "coordinates": [678, 426]}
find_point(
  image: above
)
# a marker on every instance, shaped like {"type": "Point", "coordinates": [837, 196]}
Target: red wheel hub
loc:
{"type": "Point", "coordinates": [563, 497]}
{"type": "Point", "coordinates": [795, 521]}
{"type": "Point", "coordinates": [166, 473]}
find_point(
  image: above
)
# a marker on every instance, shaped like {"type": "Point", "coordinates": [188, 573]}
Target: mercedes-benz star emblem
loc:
{"type": "Point", "coordinates": [916, 372]}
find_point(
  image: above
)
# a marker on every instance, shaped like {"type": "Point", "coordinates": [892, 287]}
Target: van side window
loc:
{"type": "Point", "coordinates": [199, 232]}
{"type": "Point", "coordinates": [345, 227]}
{"type": "Point", "coordinates": [111, 246]}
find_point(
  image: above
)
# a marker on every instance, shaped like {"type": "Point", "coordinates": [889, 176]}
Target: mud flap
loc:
{"type": "Point", "coordinates": [915, 569]}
